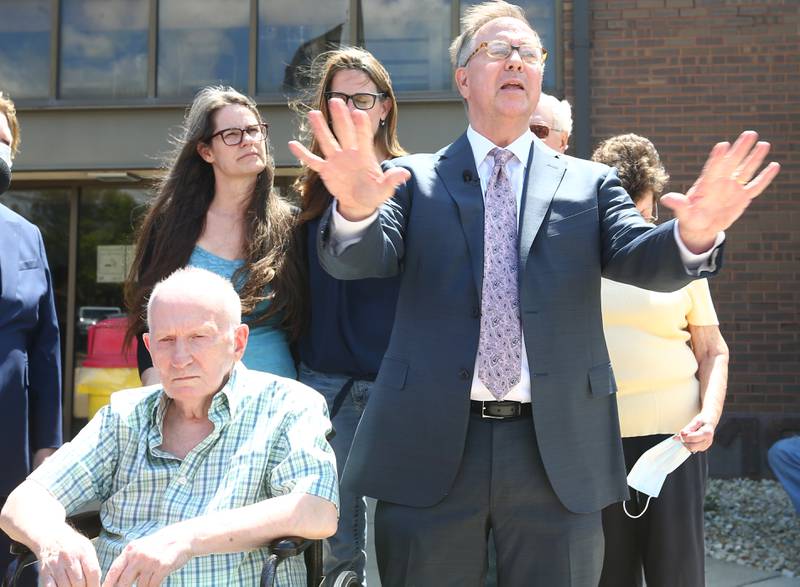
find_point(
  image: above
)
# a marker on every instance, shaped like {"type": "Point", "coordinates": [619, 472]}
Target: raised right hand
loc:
{"type": "Point", "coordinates": [350, 170]}
{"type": "Point", "coordinates": [68, 559]}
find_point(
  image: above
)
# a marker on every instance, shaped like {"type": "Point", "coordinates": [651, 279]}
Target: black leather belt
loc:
{"type": "Point", "coordinates": [500, 410]}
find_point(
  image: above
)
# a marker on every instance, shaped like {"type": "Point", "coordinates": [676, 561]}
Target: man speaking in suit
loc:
{"type": "Point", "coordinates": [30, 357]}
{"type": "Point", "coordinates": [494, 406]}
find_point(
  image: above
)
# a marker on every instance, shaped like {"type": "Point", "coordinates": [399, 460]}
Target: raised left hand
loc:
{"type": "Point", "coordinates": [147, 561]}
{"type": "Point", "coordinates": [697, 435]}
{"type": "Point", "coordinates": [349, 167]}
{"type": "Point", "coordinates": [723, 191]}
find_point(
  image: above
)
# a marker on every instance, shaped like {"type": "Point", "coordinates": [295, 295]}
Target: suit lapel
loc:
{"type": "Point", "coordinates": [545, 172]}
{"type": "Point", "coordinates": [456, 162]}
{"type": "Point", "coordinates": [9, 257]}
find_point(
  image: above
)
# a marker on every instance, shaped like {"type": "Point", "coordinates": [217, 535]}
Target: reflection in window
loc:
{"type": "Point", "coordinates": [103, 48]}
{"type": "Point", "coordinates": [410, 38]}
{"type": "Point", "coordinates": [107, 216]}
{"type": "Point", "coordinates": [49, 210]}
{"type": "Point", "coordinates": [202, 43]}
{"type": "Point", "coordinates": [542, 16]}
{"type": "Point", "coordinates": [291, 33]}
{"type": "Point", "coordinates": [25, 48]}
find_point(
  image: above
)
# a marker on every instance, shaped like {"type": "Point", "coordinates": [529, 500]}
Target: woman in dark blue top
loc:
{"type": "Point", "coordinates": [350, 321]}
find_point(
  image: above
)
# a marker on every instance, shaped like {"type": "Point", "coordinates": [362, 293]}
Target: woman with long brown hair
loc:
{"type": "Point", "coordinates": [350, 321]}
{"type": "Point", "coordinates": [215, 208]}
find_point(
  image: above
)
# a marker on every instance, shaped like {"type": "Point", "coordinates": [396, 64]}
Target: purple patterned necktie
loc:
{"type": "Point", "coordinates": [499, 347]}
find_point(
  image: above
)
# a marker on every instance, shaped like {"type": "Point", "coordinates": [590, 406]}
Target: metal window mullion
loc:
{"type": "Point", "coordinates": [354, 14]}
{"type": "Point", "coordinates": [455, 30]}
{"type": "Point", "coordinates": [252, 66]}
{"type": "Point", "coordinates": [455, 19]}
{"type": "Point", "coordinates": [69, 343]}
{"type": "Point", "coordinates": [152, 49]}
{"type": "Point", "coordinates": [55, 47]}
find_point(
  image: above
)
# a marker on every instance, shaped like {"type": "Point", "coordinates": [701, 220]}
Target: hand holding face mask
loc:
{"type": "Point", "coordinates": [650, 471]}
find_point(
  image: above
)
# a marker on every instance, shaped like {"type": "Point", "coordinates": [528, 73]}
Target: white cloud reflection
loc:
{"type": "Point", "coordinates": [24, 17]}
{"type": "Point", "coordinates": [106, 15]}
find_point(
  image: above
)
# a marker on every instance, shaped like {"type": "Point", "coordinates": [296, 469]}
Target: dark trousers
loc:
{"type": "Point", "coordinates": [501, 485]}
{"type": "Point", "coordinates": [665, 546]}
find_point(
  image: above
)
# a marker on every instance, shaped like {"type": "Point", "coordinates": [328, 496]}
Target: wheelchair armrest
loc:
{"type": "Point", "coordinates": [279, 550]}
{"type": "Point", "coordinates": [286, 547]}
{"type": "Point", "coordinates": [87, 523]}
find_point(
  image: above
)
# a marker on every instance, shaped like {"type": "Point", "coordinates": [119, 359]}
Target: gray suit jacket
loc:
{"type": "Point", "coordinates": [577, 223]}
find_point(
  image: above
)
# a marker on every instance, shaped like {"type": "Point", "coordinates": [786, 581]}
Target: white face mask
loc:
{"type": "Point", "coordinates": [5, 154]}
{"type": "Point", "coordinates": [650, 471]}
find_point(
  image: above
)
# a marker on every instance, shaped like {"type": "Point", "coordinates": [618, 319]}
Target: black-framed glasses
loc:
{"type": "Point", "coordinates": [235, 136]}
{"type": "Point", "coordinates": [499, 49]}
{"type": "Point", "coordinates": [360, 100]}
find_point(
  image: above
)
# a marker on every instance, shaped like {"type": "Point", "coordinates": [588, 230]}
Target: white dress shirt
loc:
{"type": "Point", "coordinates": [344, 233]}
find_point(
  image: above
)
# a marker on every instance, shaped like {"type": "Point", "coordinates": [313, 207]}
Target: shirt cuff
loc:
{"type": "Point", "coordinates": [702, 262]}
{"type": "Point", "coordinates": [346, 232]}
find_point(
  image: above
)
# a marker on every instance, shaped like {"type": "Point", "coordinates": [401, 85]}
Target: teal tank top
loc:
{"type": "Point", "coordinates": [268, 346]}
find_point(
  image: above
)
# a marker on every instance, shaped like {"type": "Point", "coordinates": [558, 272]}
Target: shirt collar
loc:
{"type": "Point", "coordinates": [226, 399]}
{"type": "Point", "coordinates": [481, 146]}
{"type": "Point", "coordinates": [228, 390]}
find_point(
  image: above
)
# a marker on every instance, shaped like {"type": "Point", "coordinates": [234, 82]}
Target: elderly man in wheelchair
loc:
{"type": "Point", "coordinates": [193, 475]}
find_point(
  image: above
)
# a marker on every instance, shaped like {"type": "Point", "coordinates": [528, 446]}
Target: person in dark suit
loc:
{"type": "Point", "coordinates": [494, 405]}
{"type": "Point", "coordinates": [30, 357]}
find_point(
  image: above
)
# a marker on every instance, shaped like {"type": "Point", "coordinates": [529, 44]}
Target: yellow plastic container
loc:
{"type": "Point", "coordinates": [109, 366]}
{"type": "Point", "coordinates": [100, 382]}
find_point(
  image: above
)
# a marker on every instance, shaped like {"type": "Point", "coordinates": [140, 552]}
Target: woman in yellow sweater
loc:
{"type": "Point", "coordinates": [671, 367]}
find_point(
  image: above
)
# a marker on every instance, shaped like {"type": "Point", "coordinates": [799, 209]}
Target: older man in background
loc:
{"type": "Point", "coordinates": [552, 122]}
{"type": "Point", "coordinates": [193, 474]}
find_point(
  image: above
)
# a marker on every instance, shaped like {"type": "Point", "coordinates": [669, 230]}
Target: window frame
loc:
{"type": "Point", "coordinates": [151, 100]}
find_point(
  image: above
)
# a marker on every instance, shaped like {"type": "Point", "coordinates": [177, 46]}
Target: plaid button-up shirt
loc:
{"type": "Point", "coordinates": [268, 440]}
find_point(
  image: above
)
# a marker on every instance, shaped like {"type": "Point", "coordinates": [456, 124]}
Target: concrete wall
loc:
{"type": "Point", "coordinates": [109, 138]}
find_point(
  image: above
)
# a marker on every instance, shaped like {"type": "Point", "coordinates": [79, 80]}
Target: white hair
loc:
{"type": "Point", "coordinates": [561, 111]}
{"type": "Point", "coordinates": [194, 281]}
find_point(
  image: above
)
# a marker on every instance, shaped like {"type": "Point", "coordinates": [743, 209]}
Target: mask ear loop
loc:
{"type": "Point", "coordinates": [636, 517]}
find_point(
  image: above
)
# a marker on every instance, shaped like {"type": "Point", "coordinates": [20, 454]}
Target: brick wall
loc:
{"type": "Point", "coordinates": [687, 73]}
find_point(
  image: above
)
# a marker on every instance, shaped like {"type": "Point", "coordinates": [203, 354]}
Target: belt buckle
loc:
{"type": "Point", "coordinates": [489, 416]}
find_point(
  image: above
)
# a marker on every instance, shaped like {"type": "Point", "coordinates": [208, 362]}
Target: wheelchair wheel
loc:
{"type": "Point", "coordinates": [347, 579]}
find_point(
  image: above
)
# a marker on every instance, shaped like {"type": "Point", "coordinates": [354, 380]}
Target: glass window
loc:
{"type": "Point", "coordinates": [103, 48]}
{"type": "Point", "coordinates": [106, 220]}
{"type": "Point", "coordinates": [49, 210]}
{"type": "Point", "coordinates": [542, 16]}
{"type": "Point", "coordinates": [202, 43]}
{"type": "Point", "coordinates": [291, 33]}
{"type": "Point", "coordinates": [25, 48]}
{"type": "Point", "coordinates": [410, 38]}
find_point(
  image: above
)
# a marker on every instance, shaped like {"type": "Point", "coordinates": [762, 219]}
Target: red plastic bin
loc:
{"type": "Point", "coordinates": [107, 367]}
{"type": "Point", "coordinates": [106, 342]}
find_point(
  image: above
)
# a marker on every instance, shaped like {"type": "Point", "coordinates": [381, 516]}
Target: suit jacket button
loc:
{"type": "Point", "coordinates": [464, 374]}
